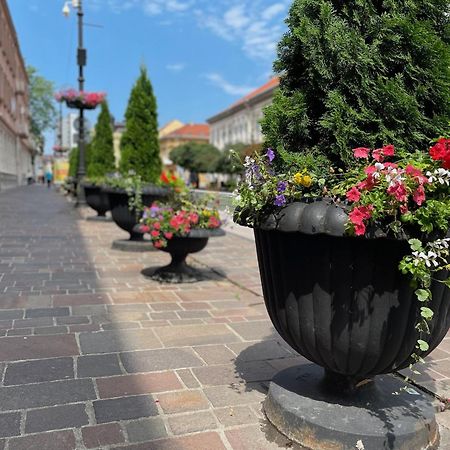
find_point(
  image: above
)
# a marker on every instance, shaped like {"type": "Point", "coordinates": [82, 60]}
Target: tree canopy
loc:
{"type": "Point", "coordinates": [196, 157]}
{"type": "Point", "coordinates": [361, 73]}
{"type": "Point", "coordinates": [140, 141]}
{"type": "Point", "coordinates": [101, 153]}
{"type": "Point", "coordinates": [41, 104]}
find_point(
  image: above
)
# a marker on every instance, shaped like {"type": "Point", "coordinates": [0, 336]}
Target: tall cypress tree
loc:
{"type": "Point", "coordinates": [101, 155]}
{"type": "Point", "coordinates": [361, 73]}
{"type": "Point", "coordinates": [140, 142]}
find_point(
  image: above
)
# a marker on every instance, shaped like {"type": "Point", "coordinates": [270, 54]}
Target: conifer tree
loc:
{"type": "Point", "coordinates": [101, 153]}
{"type": "Point", "coordinates": [361, 73]}
{"type": "Point", "coordinates": [140, 142]}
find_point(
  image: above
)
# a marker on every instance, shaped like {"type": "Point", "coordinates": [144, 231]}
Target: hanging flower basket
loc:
{"type": "Point", "coordinates": [80, 99]}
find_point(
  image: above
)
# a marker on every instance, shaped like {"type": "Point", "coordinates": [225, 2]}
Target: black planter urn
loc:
{"type": "Point", "coordinates": [341, 301]}
{"type": "Point", "coordinates": [97, 199]}
{"type": "Point", "coordinates": [129, 219]}
{"type": "Point", "coordinates": [178, 271]}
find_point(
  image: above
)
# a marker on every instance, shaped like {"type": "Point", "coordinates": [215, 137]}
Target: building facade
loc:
{"type": "Point", "coordinates": [240, 123]}
{"type": "Point", "coordinates": [191, 133]}
{"type": "Point", "coordinates": [16, 148]}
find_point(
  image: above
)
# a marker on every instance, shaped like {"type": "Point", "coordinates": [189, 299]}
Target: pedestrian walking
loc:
{"type": "Point", "coordinates": [49, 179]}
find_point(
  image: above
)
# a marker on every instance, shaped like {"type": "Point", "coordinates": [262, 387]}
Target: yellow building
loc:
{"type": "Point", "coordinates": [194, 132]}
{"type": "Point", "coordinates": [119, 128]}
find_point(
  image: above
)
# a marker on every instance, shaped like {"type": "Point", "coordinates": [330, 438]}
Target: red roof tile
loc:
{"type": "Point", "coordinates": [271, 84]}
{"type": "Point", "coordinates": [199, 130]}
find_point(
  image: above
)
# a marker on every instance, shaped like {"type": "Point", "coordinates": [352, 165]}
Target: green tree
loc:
{"type": "Point", "coordinates": [73, 162]}
{"type": "Point", "coordinates": [41, 104]}
{"type": "Point", "coordinates": [361, 73]}
{"type": "Point", "coordinates": [101, 153]}
{"type": "Point", "coordinates": [231, 157]}
{"type": "Point", "coordinates": [196, 157]}
{"type": "Point", "coordinates": [140, 142]}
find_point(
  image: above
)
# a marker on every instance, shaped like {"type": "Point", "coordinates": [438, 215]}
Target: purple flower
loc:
{"type": "Point", "coordinates": [270, 154]}
{"type": "Point", "coordinates": [281, 186]}
{"type": "Point", "coordinates": [280, 200]}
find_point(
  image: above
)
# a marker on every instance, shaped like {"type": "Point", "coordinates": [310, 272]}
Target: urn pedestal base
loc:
{"type": "Point", "coordinates": [308, 409]}
{"type": "Point", "coordinates": [128, 245]}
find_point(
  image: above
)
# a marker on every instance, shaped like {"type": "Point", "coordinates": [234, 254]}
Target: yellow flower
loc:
{"type": "Point", "coordinates": [298, 178]}
{"type": "Point", "coordinates": [307, 181]}
{"type": "Point", "coordinates": [206, 213]}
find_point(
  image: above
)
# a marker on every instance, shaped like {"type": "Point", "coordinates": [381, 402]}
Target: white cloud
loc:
{"type": "Point", "coordinates": [254, 25]}
{"type": "Point", "coordinates": [233, 89]}
{"type": "Point", "coordinates": [178, 67]}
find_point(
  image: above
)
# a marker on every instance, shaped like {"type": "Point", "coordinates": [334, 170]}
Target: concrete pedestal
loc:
{"type": "Point", "coordinates": [99, 219]}
{"type": "Point", "coordinates": [379, 415]}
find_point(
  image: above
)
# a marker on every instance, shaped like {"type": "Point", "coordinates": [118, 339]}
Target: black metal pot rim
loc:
{"type": "Point", "coordinates": [148, 189]}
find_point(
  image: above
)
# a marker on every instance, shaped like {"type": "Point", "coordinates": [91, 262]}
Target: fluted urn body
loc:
{"type": "Point", "coordinates": [342, 301]}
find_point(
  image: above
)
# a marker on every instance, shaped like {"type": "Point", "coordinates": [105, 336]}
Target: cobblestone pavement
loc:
{"type": "Point", "coordinates": [93, 355]}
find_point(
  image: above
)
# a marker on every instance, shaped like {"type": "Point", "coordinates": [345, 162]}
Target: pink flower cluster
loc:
{"type": "Point", "coordinates": [91, 99]}
{"type": "Point", "coordinates": [400, 184]}
{"type": "Point", "coordinates": [441, 152]}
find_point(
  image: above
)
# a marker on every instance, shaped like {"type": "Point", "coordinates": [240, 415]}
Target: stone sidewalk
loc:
{"type": "Point", "coordinates": [93, 355]}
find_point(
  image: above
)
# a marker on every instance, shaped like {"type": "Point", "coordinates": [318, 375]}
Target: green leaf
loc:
{"type": "Point", "coordinates": [415, 244]}
{"type": "Point", "coordinates": [422, 294]}
{"type": "Point", "coordinates": [423, 345]}
{"type": "Point", "coordinates": [426, 313]}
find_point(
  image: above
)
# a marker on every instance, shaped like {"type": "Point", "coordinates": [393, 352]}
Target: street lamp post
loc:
{"type": "Point", "coordinates": [81, 61]}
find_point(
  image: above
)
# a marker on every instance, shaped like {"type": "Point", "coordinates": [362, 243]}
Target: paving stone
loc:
{"type": "Point", "coordinates": [9, 424]}
{"type": "Point", "coordinates": [200, 441]}
{"type": "Point", "coordinates": [51, 330]}
{"type": "Point", "coordinates": [256, 351]}
{"type": "Point", "coordinates": [102, 435]}
{"type": "Point", "coordinates": [195, 335]}
{"type": "Point", "coordinates": [169, 306]}
{"type": "Point", "coordinates": [163, 315]}
{"type": "Point", "coordinates": [252, 331]}
{"type": "Point", "coordinates": [38, 371]}
{"type": "Point", "coordinates": [192, 423]}
{"type": "Point", "coordinates": [126, 408]}
{"type": "Point", "coordinates": [137, 384]}
{"type": "Point", "coordinates": [115, 341]}
{"type": "Point", "coordinates": [84, 327]}
{"type": "Point", "coordinates": [188, 378]}
{"type": "Point", "coordinates": [37, 322]}
{"type": "Point", "coordinates": [121, 326]}
{"type": "Point", "coordinates": [56, 418]}
{"type": "Point", "coordinates": [157, 360]}
{"type": "Point", "coordinates": [244, 372]}
{"type": "Point", "coordinates": [58, 440]}
{"type": "Point", "coordinates": [193, 314]}
{"type": "Point", "coordinates": [146, 430]}
{"type": "Point", "coordinates": [215, 354]}
{"type": "Point", "coordinates": [185, 401]}
{"type": "Point", "coordinates": [35, 347]}
{"type": "Point", "coordinates": [251, 438]}
{"type": "Point", "coordinates": [98, 366]}
{"type": "Point", "coordinates": [221, 396]}
{"type": "Point", "coordinates": [45, 394]}
{"type": "Point", "coordinates": [236, 415]}
{"type": "Point", "coordinates": [7, 314]}
{"type": "Point", "coordinates": [88, 310]}
{"type": "Point", "coordinates": [20, 332]}
{"type": "Point", "coordinates": [120, 309]}
{"type": "Point", "coordinates": [80, 299]}
{"type": "Point", "coordinates": [46, 312]}
{"type": "Point", "coordinates": [6, 324]}
{"type": "Point", "coordinates": [72, 320]}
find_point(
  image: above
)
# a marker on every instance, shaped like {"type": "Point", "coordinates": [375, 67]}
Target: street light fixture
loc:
{"type": "Point", "coordinates": [81, 61]}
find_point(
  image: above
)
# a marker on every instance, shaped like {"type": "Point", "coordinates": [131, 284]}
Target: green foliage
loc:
{"type": "Point", "coordinates": [41, 104]}
{"type": "Point", "coordinates": [101, 158]}
{"type": "Point", "coordinates": [361, 73]}
{"type": "Point", "coordinates": [73, 162]}
{"type": "Point", "coordinates": [140, 142]}
{"type": "Point", "coordinates": [195, 157]}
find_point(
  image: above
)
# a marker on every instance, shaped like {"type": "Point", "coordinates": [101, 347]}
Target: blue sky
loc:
{"type": "Point", "coordinates": [202, 55]}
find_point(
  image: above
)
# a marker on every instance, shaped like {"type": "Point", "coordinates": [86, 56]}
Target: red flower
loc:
{"type": "Point", "coordinates": [358, 215]}
{"type": "Point", "coordinates": [419, 195]}
{"type": "Point", "coordinates": [164, 178]}
{"type": "Point", "coordinates": [213, 222]}
{"type": "Point", "coordinates": [398, 190]}
{"type": "Point", "coordinates": [158, 244]}
{"type": "Point", "coordinates": [417, 174]}
{"type": "Point", "coordinates": [168, 235]}
{"type": "Point", "coordinates": [145, 229]}
{"type": "Point", "coordinates": [388, 150]}
{"type": "Point", "coordinates": [157, 226]}
{"type": "Point", "coordinates": [378, 154]}
{"type": "Point", "coordinates": [361, 152]}
{"type": "Point", "coordinates": [154, 233]}
{"type": "Point", "coordinates": [367, 184]}
{"type": "Point", "coordinates": [353, 195]}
